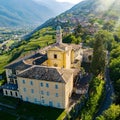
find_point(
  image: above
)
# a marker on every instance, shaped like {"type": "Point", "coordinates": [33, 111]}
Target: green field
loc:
{"type": "Point", "coordinates": [3, 61]}
{"type": "Point", "coordinates": [28, 111]}
{"type": "Point", "coordinates": [10, 42]}
{"type": "Point", "coordinates": [39, 39]}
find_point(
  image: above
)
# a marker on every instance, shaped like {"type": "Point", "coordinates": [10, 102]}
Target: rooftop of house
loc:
{"type": "Point", "coordinates": [36, 60]}
{"type": "Point", "coordinates": [23, 64]}
{"type": "Point", "coordinates": [65, 47]}
{"type": "Point", "coordinates": [39, 57]}
{"type": "Point", "coordinates": [47, 73]}
{"type": "Point", "coordinates": [18, 66]}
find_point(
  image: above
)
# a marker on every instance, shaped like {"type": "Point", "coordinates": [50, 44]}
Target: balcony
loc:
{"type": "Point", "coordinates": [10, 86]}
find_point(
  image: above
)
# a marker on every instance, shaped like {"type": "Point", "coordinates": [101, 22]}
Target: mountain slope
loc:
{"type": "Point", "coordinates": [18, 12]}
{"type": "Point", "coordinates": [57, 7]}
{"type": "Point", "coordinates": [86, 11]}
{"type": "Point", "coordinates": [21, 12]}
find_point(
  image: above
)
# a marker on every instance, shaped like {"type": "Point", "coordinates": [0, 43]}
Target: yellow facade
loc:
{"type": "Point", "coordinates": [45, 95]}
{"type": "Point", "coordinates": [59, 58]}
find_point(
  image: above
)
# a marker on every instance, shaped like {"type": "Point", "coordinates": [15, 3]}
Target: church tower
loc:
{"type": "Point", "coordinates": [59, 34]}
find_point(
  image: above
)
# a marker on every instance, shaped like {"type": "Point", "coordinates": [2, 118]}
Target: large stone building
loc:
{"type": "Point", "coordinates": [46, 77]}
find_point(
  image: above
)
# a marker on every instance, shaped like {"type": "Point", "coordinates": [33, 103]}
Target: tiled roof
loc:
{"type": "Point", "coordinates": [75, 47]}
{"type": "Point", "coordinates": [64, 46]}
{"type": "Point", "coordinates": [40, 60]}
{"type": "Point", "coordinates": [47, 74]}
{"type": "Point", "coordinates": [36, 59]}
{"type": "Point", "coordinates": [18, 66]}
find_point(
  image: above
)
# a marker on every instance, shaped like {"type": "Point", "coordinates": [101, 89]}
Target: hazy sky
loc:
{"type": "Point", "coordinates": [70, 1]}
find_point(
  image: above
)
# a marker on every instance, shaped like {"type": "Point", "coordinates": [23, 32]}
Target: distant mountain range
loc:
{"type": "Point", "coordinates": [22, 12]}
{"type": "Point", "coordinates": [85, 11]}
{"type": "Point", "coordinates": [57, 7]}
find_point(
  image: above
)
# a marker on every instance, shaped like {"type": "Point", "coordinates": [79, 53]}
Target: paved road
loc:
{"type": "Point", "coordinates": [109, 92]}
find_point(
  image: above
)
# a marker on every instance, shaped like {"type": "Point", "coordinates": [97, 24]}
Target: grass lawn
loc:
{"type": "Point", "coordinates": [3, 61]}
{"type": "Point", "coordinates": [10, 42]}
{"type": "Point", "coordinates": [28, 111]}
{"type": "Point", "coordinates": [38, 112]}
{"type": "Point", "coordinates": [6, 116]}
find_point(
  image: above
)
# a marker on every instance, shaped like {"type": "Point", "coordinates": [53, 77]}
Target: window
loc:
{"type": "Point", "coordinates": [16, 94]}
{"type": "Point", "coordinates": [47, 85]}
{"type": "Point", "coordinates": [35, 100]}
{"type": "Point", "coordinates": [55, 56]}
{"type": "Point", "coordinates": [27, 98]}
{"type": "Point", "coordinates": [13, 71]}
{"type": "Point", "coordinates": [6, 92]}
{"type": "Point", "coordinates": [56, 86]}
{"type": "Point", "coordinates": [43, 101]}
{"type": "Point", "coordinates": [56, 95]}
{"type": "Point", "coordinates": [50, 103]}
{"type": "Point", "coordinates": [42, 92]}
{"type": "Point", "coordinates": [48, 93]}
{"type": "Point", "coordinates": [41, 84]}
{"type": "Point", "coordinates": [89, 57]}
{"type": "Point", "coordinates": [11, 93]}
{"type": "Point", "coordinates": [11, 81]}
{"type": "Point", "coordinates": [15, 81]}
{"type": "Point", "coordinates": [32, 90]}
{"type": "Point", "coordinates": [24, 89]}
{"type": "Point", "coordinates": [23, 81]}
{"type": "Point", "coordinates": [58, 105]}
{"type": "Point", "coordinates": [31, 82]}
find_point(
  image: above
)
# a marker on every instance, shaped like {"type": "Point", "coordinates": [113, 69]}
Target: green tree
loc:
{"type": "Point", "coordinates": [108, 39]}
{"type": "Point", "coordinates": [109, 25]}
{"type": "Point", "coordinates": [115, 68]}
{"type": "Point", "coordinates": [113, 113]}
{"type": "Point", "coordinates": [72, 39]}
{"type": "Point", "coordinates": [98, 61]}
{"type": "Point", "coordinates": [117, 34]}
{"type": "Point", "coordinates": [79, 31]}
{"type": "Point", "coordinates": [115, 53]}
{"type": "Point", "coordinates": [89, 41]}
{"type": "Point", "coordinates": [117, 91]}
{"type": "Point", "coordinates": [96, 90]}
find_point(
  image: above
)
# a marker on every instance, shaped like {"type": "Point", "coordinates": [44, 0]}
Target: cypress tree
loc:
{"type": "Point", "coordinates": [98, 60]}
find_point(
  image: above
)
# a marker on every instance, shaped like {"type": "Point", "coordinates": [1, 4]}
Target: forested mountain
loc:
{"type": "Point", "coordinates": [21, 12]}
{"type": "Point", "coordinates": [88, 11]}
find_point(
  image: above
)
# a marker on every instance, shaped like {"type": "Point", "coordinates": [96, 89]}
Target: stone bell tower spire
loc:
{"type": "Point", "coordinates": [59, 35]}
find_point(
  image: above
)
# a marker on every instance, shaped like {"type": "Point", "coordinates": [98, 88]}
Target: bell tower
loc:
{"type": "Point", "coordinates": [59, 35]}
